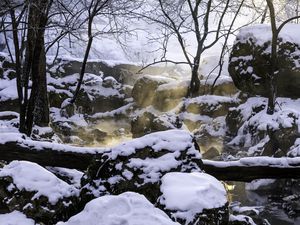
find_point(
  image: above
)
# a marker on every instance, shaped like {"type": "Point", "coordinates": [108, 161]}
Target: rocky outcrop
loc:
{"type": "Point", "coordinates": [249, 63]}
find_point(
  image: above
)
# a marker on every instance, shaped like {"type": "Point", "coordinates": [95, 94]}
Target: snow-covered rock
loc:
{"type": "Point", "coordinates": [194, 198]}
{"type": "Point", "coordinates": [35, 191]}
{"type": "Point", "coordinates": [128, 208]}
{"type": "Point", "coordinates": [15, 218]}
{"type": "Point", "coordinates": [249, 64]}
{"type": "Point", "coordinates": [148, 122]}
{"type": "Point", "coordinates": [252, 128]}
{"type": "Point", "coordinates": [139, 164]}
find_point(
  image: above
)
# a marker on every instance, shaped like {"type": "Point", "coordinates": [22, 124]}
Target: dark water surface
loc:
{"type": "Point", "coordinates": [269, 200]}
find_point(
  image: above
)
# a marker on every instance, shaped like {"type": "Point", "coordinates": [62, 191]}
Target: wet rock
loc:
{"type": "Point", "coordinates": [168, 96]}
{"type": "Point", "coordinates": [145, 87]}
{"type": "Point", "coordinates": [139, 164]}
{"type": "Point", "coordinates": [211, 153]}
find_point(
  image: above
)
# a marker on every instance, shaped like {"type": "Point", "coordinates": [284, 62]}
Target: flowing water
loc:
{"type": "Point", "coordinates": [269, 201]}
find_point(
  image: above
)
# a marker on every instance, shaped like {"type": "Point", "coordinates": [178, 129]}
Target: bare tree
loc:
{"type": "Point", "coordinates": [204, 20]}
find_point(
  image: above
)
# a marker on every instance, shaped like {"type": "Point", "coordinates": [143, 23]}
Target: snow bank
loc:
{"type": "Point", "coordinates": [15, 218]}
{"type": "Point", "coordinates": [128, 208]}
{"type": "Point", "coordinates": [34, 178]}
{"type": "Point", "coordinates": [190, 193]}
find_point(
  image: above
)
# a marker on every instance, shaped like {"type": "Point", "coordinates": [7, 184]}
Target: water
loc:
{"type": "Point", "coordinates": [270, 199]}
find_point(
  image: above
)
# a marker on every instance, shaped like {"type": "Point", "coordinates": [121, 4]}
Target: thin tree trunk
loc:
{"type": "Point", "coordinates": [273, 61]}
{"type": "Point", "coordinates": [82, 71]}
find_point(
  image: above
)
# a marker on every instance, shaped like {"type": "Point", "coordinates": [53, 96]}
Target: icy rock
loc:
{"type": "Point", "coordinates": [194, 198]}
{"type": "Point", "coordinates": [240, 220]}
{"type": "Point", "coordinates": [31, 189]}
{"type": "Point", "coordinates": [138, 165]}
{"type": "Point", "coordinates": [127, 208]}
{"type": "Point", "coordinates": [249, 63]}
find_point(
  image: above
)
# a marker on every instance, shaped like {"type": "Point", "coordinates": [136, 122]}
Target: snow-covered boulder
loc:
{"type": "Point", "coordinates": [149, 122]}
{"type": "Point", "coordinates": [210, 105]}
{"type": "Point", "coordinates": [194, 198]}
{"type": "Point", "coordinates": [139, 164]}
{"type": "Point", "coordinates": [249, 63]}
{"type": "Point", "coordinates": [15, 218]}
{"type": "Point", "coordinates": [145, 87]}
{"type": "Point", "coordinates": [253, 129]}
{"type": "Point", "coordinates": [35, 191]}
{"type": "Point", "coordinates": [128, 208]}
{"type": "Point", "coordinates": [97, 94]}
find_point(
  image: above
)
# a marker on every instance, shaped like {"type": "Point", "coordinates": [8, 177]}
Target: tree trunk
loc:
{"type": "Point", "coordinates": [38, 106]}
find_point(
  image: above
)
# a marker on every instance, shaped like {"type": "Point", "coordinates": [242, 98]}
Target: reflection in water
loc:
{"type": "Point", "coordinates": [270, 198]}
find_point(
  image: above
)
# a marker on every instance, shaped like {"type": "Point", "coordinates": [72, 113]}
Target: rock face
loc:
{"type": "Point", "coordinates": [36, 192]}
{"type": "Point", "coordinates": [127, 208]}
{"type": "Point", "coordinates": [194, 198]}
{"type": "Point", "coordinates": [249, 64]}
{"type": "Point", "coordinates": [138, 165]}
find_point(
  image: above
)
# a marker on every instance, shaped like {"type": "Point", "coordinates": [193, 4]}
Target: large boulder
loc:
{"type": "Point", "coordinates": [168, 96]}
{"type": "Point", "coordinates": [127, 208]}
{"type": "Point", "coordinates": [31, 189]}
{"type": "Point", "coordinates": [145, 87]}
{"type": "Point", "coordinates": [194, 199]}
{"type": "Point", "coordinates": [249, 63]}
{"type": "Point", "coordinates": [138, 165]}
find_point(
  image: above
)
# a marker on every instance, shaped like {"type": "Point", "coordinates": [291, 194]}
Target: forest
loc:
{"type": "Point", "coordinates": [149, 112]}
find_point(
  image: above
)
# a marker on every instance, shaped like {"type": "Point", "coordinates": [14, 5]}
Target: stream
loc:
{"type": "Point", "coordinates": [268, 201]}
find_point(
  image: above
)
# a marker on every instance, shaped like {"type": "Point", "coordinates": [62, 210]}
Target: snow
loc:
{"type": "Point", "coordinates": [286, 115]}
{"type": "Point", "coordinates": [212, 100]}
{"type": "Point", "coordinates": [8, 90]}
{"type": "Point", "coordinates": [34, 178]}
{"type": "Point", "coordinates": [15, 218]}
{"type": "Point", "coordinates": [171, 140]}
{"type": "Point", "coordinates": [283, 162]}
{"type": "Point", "coordinates": [259, 184]}
{"type": "Point", "coordinates": [128, 208]}
{"type": "Point", "coordinates": [261, 33]}
{"type": "Point", "coordinates": [242, 219]}
{"type": "Point", "coordinates": [190, 193]}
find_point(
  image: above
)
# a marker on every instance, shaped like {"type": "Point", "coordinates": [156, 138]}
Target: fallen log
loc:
{"type": "Point", "coordinates": [47, 156]}
{"type": "Point", "coordinates": [251, 168]}
{"type": "Point", "coordinates": [59, 155]}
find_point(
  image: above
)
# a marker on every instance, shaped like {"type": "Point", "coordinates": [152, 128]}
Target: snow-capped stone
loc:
{"type": "Point", "coordinates": [194, 198]}
{"type": "Point", "coordinates": [128, 208]}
